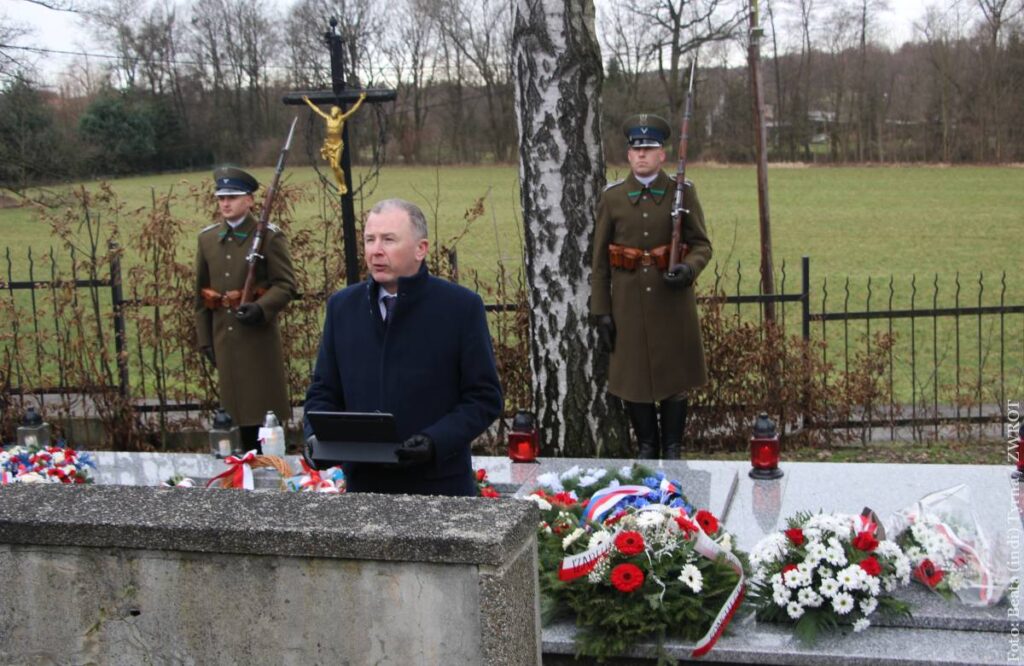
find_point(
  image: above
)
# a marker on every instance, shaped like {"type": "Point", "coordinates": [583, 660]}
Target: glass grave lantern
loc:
{"type": "Point", "coordinates": [764, 450]}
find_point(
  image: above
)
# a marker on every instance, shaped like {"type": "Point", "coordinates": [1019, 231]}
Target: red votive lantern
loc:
{"type": "Point", "coordinates": [764, 449]}
{"type": "Point", "coordinates": [523, 439]}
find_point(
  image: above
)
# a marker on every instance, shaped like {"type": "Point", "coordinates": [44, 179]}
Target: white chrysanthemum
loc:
{"type": "Point", "coordinates": [808, 597]}
{"type": "Point", "coordinates": [572, 537]}
{"type": "Point", "coordinates": [902, 566]}
{"type": "Point", "coordinates": [781, 598]}
{"type": "Point", "coordinates": [887, 548]}
{"type": "Point", "coordinates": [815, 553]}
{"type": "Point", "coordinates": [873, 585]}
{"type": "Point", "coordinates": [771, 548]}
{"type": "Point", "coordinates": [691, 577]}
{"type": "Point", "coordinates": [550, 481]}
{"type": "Point", "coordinates": [599, 538]}
{"type": "Point", "coordinates": [868, 606]}
{"type": "Point", "coordinates": [849, 578]}
{"type": "Point", "coordinates": [915, 553]}
{"type": "Point", "coordinates": [825, 572]}
{"type": "Point", "coordinates": [842, 603]}
{"type": "Point", "coordinates": [812, 535]}
{"type": "Point", "coordinates": [776, 579]}
{"type": "Point", "coordinates": [570, 473]}
{"type": "Point", "coordinates": [835, 556]}
{"type": "Point", "coordinates": [649, 519]}
{"type": "Point", "coordinates": [889, 583]}
{"type": "Point", "coordinates": [957, 580]}
{"type": "Point", "coordinates": [793, 578]}
{"type": "Point", "coordinates": [805, 569]}
{"type": "Point", "coordinates": [544, 527]}
{"type": "Point", "coordinates": [861, 624]}
{"type": "Point", "coordinates": [795, 610]}
{"type": "Point", "coordinates": [829, 587]}
{"type": "Point", "coordinates": [587, 480]}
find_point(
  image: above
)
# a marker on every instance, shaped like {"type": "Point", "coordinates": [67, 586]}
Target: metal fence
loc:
{"type": "Point", "coordinates": [952, 365]}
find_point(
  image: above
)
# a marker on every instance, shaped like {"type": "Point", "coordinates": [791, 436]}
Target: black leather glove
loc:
{"type": "Point", "coordinates": [210, 356]}
{"type": "Point", "coordinates": [307, 451]}
{"type": "Point", "coordinates": [416, 450]}
{"type": "Point", "coordinates": [249, 314]}
{"type": "Point", "coordinates": [606, 331]}
{"type": "Point", "coordinates": [679, 276]}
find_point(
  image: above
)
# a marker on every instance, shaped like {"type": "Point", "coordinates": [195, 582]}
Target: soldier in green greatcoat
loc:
{"type": "Point", "coordinates": [645, 310]}
{"type": "Point", "coordinates": [243, 340]}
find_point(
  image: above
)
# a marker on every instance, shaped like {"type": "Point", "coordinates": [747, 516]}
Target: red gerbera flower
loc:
{"type": "Point", "coordinates": [865, 541]}
{"type": "Point", "coordinates": [707, 521]}
{"type": "Point", "coordinates": [871, 566]}
{"type": "Point", "coordinates": [627, 577]}
{"type": "Point", "coordinates": [686, 525]}
{"type": "Point", "coordinates": [928, 574]}
{"type": "Point", "coordinates": [630, 543]}
{"type": "Point", "coordinates": [796, 536]}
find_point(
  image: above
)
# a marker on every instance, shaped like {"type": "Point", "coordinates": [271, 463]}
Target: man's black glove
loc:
{"type": "Point", "coordinates": [416, 450]}
{"type": "Point", "coordinates": [307, 451]}
{"type": "Point", "coordinates": [606, 331]}
{"type": "Point", "coordinates": [680, 276]}
{"type": "Point", "coordinates": [208, 353]}
{"type": "Point", "coordinates": [249, 314]}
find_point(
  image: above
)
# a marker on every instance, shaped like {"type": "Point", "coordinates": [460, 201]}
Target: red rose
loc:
{"type": "Point", "coordinates": [627, 577]}
{"type": "Point", "coordinates": [481, 474]}
{"type": "Point", "coordinates": [871, 566]}
{"type": "Point", "coordinates": [789, 567]}
{"type": "Point", "coordinates": [686, 525]}
{"type": "Point", "coordinates": [489, 492]}
{"type": "Point", "coordinates": [865, 541]}
{"type": "Point", "coordinates": [795, 536]}
{"type": "Point", "coordinates": [707, 521]}
{"type": "Point", "coordinates": [928, 574]}
{"type": "Point", "coordinates": [630, 543]}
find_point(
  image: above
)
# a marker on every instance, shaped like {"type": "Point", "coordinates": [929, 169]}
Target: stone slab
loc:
{"type": "Point", "coordinates": [347, 526]}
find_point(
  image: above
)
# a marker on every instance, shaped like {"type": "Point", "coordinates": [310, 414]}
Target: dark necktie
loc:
{"type": "Point", "coordinates": [389, 307]}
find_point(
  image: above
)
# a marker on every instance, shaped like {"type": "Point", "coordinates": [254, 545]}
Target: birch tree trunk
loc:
{"type": "Point", "coordinates": [558, 73]}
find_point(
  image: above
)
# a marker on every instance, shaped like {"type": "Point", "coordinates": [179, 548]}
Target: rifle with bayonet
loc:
{"type": "Point", "coordinates": [678, 249]}
{"type": "Point", "coordinates": [261, 227]}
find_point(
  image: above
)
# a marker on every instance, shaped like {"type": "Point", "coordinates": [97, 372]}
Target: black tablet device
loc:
{"type": "Point", "coordinates": [354, 437]}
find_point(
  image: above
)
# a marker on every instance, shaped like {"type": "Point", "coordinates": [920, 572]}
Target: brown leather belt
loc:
{"type": "Point", "coordinates": [213, 299]}
{"type": "Point", "coordinates": [630, 258]}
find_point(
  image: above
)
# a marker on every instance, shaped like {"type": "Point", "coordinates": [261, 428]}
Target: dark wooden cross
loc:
{"type": "Point", "coordinates": [341, 95]}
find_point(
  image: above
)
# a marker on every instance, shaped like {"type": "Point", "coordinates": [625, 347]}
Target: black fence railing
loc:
{"type": "Point", "coordinates": [952, 364]}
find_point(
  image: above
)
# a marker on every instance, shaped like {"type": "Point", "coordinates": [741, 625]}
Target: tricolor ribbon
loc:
{"type": "Point", "coordinates": [606, 499]}
{"type": "Point", "coordinates": [239, 473]}
{"type": "Point", "coordinates": [312, 480]}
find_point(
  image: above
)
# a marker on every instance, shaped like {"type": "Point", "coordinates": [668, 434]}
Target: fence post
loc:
{"type": "Point", "coordinates": [805, 297]}
{"type": "Point", "coordinates": [117, 301]}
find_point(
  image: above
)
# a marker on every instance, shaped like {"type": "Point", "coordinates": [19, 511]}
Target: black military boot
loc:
{"type": "Point", "coordinates": [673, 424]}
{"type": "Point", "coordinates": [644, 418]}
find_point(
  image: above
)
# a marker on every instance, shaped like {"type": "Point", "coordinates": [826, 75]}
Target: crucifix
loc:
{"type": "Point", "coordinates": [336, 144]}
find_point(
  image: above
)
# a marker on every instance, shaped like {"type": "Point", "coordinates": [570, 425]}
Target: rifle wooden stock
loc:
{"type": "Point", "coordinates": [678, 248]}
{"type": "Point", "coordinates": [261, 227]}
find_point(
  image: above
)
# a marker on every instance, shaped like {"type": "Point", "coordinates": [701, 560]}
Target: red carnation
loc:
{"type": "Point", "coordinates": [871, 566]}
{"type": "Point", "coordinates": [563, 498]}
{"type": "Point", "coordinates": [795, 536]}
{"type": "Point", "coordinates": [707, 521]}
{"type": "Point", "coordinates": [489, 492]}
{"type": "Point", "coordinates": [627, 577]}
{"type": "Point", "coordinates": [928, 574]}
{"type": "Point", "coordinates": [686, 525]}
{"type": "Point", "coordinates": [865, 541]}
{"type": "Point", "coordinates": [630, 543]}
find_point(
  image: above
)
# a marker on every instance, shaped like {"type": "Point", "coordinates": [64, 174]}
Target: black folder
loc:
{"type": "Point", "coordinates": [353, 437]}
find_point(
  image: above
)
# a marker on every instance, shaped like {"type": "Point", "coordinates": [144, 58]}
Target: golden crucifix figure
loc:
{"type": "Point", "coordinates": [333, 144]}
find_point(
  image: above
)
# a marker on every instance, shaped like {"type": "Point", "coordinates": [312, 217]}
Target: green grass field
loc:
{"type": "Point", "coordinates": [855, 223]}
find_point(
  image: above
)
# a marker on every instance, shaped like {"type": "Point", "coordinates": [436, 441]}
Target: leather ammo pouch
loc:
{"type": "Point", "coordinates": [213, 299]}
{"type": "Point", "coordinates": [629, 258]}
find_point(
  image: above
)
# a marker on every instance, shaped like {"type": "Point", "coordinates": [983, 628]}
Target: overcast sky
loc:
{"type": "Point", "coordinates": [62, 31]}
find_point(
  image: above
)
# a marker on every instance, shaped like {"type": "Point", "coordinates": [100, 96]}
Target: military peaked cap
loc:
{"type": "Point", "coordinates": [232, 181]}
{"type": "Point", "coordinates": [646, 130]}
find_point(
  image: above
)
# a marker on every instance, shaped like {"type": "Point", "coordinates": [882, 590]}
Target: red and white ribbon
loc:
{"type": "Point", "coordinates": [239, 473]}
{"type": "Point", "coordinates": [710, 549]}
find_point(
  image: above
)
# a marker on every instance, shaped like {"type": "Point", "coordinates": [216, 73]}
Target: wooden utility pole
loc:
{"type": "Point", "coordinates": [761, 150]}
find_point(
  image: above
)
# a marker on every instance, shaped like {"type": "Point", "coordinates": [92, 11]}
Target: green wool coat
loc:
{"type": "Point", "coordinates": [658, 350]}
{"type": "Point", "coordinates": [250, 359]}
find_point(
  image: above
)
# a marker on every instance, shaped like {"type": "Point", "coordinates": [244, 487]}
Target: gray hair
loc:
{"type": "Point", "coordinates": [416, 217]}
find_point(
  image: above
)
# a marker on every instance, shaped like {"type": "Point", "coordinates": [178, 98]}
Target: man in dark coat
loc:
{"type": "Point", "coordinates": [243, 340]}
{"type": "Point", "coordinates": [645, 310]}
{"type": "Point", "coordinates": [407, 343]}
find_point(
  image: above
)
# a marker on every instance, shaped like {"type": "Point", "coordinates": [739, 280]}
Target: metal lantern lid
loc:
{"type": "Point", "coordinates": [32, 418]}
{"type": "Point", "coordinates": [764, 427]}
{"type": "Point", "coordinates": [222, 420]}
{"type": "Point", "coordinates": [523, 420]}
